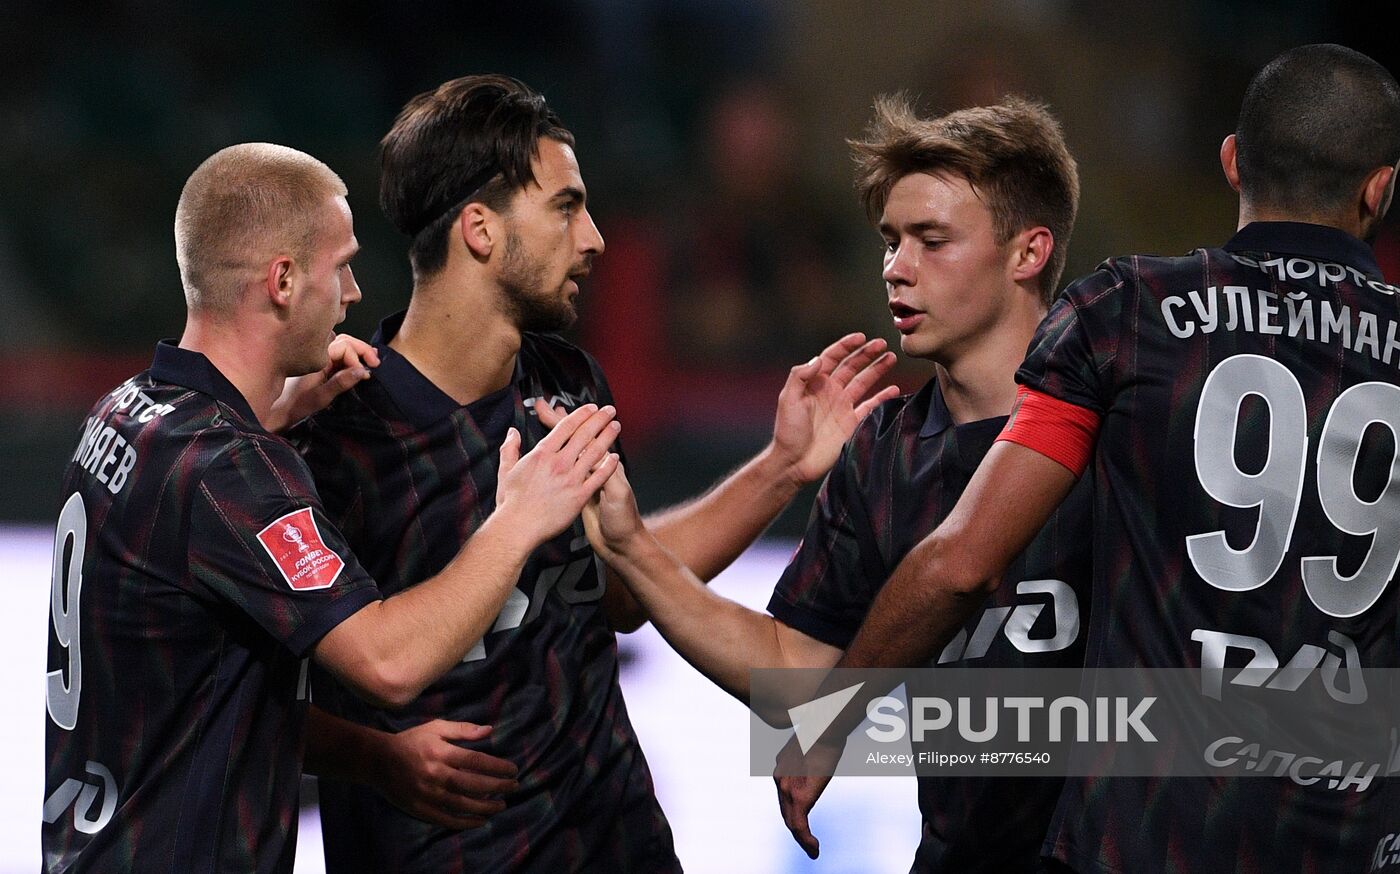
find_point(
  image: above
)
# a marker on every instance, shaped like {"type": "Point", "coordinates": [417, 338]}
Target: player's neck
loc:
{"type": "Point", "coordinates": [973, 394]}
{"type": "Point", "coordinates": [980, 382]}
{"type": "Point", "coordinates": [246, 358]}
{"type": "Point", "coordinates": [458, 338]}
{"type": "Point", "coordinates": [1250, 213]}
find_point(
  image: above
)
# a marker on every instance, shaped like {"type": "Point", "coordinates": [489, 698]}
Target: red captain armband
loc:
{"type": "Point", "coordinates": [1059, 430]}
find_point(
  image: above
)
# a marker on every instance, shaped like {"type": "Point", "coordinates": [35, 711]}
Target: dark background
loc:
{"type": "Point", "coordinates": [711, 137]}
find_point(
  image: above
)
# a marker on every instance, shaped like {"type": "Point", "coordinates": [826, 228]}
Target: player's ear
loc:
{"type": "Point", "coordinates": [1228, 162]}
{"type": "Point", "coordinates": [1030, 252]}
{"type": "Point", "coordinates": [1377, 191]}
{"type": "Point", "coordinates": [278, 282]}
{"type": "Point", "coordinates": [477, 225]}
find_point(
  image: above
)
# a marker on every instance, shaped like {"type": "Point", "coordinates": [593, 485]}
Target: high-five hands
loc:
{"type": "Point", "coordinates": [611, 517]}
{"type": "Point", "coordinates": [544, 490]}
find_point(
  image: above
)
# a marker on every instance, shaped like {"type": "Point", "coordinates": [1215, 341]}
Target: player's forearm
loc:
{"type": "Point", "coordinates": [949, 573]}
{"type": "Point", "coordinates": [401, 644]}
{"type": "Point", "coordinates": [919, 609]}
{"type": "Point", "coordinates": [722, 639]}
{"type": "Point", "coordinates": [709, 532]}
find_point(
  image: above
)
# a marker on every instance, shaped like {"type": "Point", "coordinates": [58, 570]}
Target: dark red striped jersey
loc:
{"type": "Point", "coordinates": [193, 572]}
{"type": "Point", "coordinates": [897, 478]}
{"type": "Point", "coordinates": [1247, 510]}
{"type": "Point", "coordinates": [408, 475]}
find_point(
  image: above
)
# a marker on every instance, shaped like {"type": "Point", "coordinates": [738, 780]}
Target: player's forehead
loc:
{"type": "Point", "coordinates": [337, 227]}
{"type": "Point", "coordinates": [919, 200]}
{"type": "Point", "coordinates": [556, 169]}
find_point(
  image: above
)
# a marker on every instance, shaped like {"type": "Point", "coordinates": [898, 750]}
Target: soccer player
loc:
{"type": "Point", "coordinates": [975, 208]}
{"type": "Point", "coordinates": [1234, 403]}
{"type": "Point", "coordinates": [194, 571]}
{"type": "Point", "coordinates": [482, 175]}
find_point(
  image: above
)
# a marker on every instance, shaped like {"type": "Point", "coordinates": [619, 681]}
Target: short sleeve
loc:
{"type": "Point", "coordinates": [1076, 345]}
{"type": "Point", "coordinates": [259, 541]}
{"type": "Point", "coordinates": [834, 575]}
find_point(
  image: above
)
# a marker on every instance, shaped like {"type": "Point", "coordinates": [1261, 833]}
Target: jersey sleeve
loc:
{"type": "Point", "coordinates": [1075, 347]}
{"type": "Point", "coordinates": [828, 585]}
{"type": "Point", "coordinates": [260, 542]}
{"type": "Point", "coordinates": [1059, 430]}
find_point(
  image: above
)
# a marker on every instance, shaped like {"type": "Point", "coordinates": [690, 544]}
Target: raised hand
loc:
{"type": "Point", "coordinates": [350, 362]}
{"type": "Point", "coordinates": [426, 773]}
{"type": "Point", "coordinates": [545, 490]}
{"type": "Point", "coordinates": [824, 400]}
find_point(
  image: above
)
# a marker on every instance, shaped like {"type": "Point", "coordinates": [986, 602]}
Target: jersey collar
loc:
{"type": "Point", "coordinates": [938, 419]}
{"type": "Point", "coordinates": [1313, 241]}
{"type": "Point", "coordinates": [421, 402]}
{"type": "Point", "coordinates": [191, 369]}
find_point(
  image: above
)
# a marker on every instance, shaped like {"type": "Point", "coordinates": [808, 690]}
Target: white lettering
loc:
{"type": "Point", "coordinates": [922, 723]}
{"type": "Point", "coordinates": [887, 727]}
{"type": "Point", "coordinates": [117, 443]}
{"type": "Point", "coordinates": [1368, 334]}
{"type": "Point", "coordinates": [1268, 309]}
{"type": "Point", "coordinates": [1172, 324]}
{"type": "Point", "coordinates": [1336, 322]}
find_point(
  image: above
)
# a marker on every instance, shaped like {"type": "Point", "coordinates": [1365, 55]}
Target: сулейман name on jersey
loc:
{"type": "Point", "coordinates": [1295, 314]}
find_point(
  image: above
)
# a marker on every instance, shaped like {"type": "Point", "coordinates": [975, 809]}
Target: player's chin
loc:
{"type": "Point", "coordinates": [310, 365]}
{"type": "Point", "coordinates": [316, 358]}
{"type": "Point", "coordinates": [567, 311]}
{"type": "Point", "coordinates": [917, 345]}
{"type": "Point", "coordinates": [568, 297]}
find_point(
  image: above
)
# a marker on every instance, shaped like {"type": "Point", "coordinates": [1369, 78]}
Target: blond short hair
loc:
{"type": "Point", "coordinates": [1012, 153]}
{"type": "Point", "coordinates": [243, 206]}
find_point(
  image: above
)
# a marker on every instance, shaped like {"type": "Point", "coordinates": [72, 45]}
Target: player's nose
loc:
{"type": "Point", "coordinates": [349, 288]}
{"type": "Point", "coordinates": [899, 266]}
{"type": "Point", "coordinates": [590, 238]}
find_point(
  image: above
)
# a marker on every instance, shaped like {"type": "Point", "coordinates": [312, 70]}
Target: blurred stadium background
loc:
{"type": "Point", "coordinates": [711, 138]}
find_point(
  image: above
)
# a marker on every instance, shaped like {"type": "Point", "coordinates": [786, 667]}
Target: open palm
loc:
{"type": "Point", "coordinates": [824, 400]}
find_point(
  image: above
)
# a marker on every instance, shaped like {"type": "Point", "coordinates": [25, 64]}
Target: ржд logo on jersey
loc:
{"type": "Point", "coordinates": [85, 795]}
{"type": "Point", "coordinates": [295, 546]}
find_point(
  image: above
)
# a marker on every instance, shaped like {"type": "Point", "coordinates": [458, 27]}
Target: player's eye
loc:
{"type": "Point", "coordinates": [933, 244]}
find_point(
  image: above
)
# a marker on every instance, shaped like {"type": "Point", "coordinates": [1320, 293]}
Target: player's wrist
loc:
{"type": "Point", "coordinates": [780, 468]}
{"type": "Point", "coordinates": [631, 544]}
{"type": "Point", "coordinates": [646, 556]}
{"type": "Point", "coordinates": [517, 532]}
